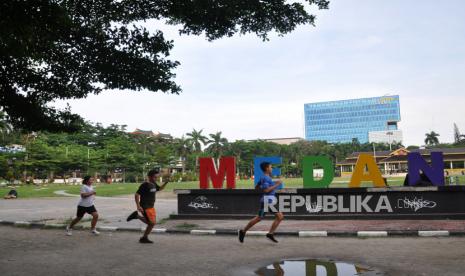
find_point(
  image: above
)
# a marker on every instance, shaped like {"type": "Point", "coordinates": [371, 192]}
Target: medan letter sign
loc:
{"type": "Point", "coordinates": [365, 170]}
{"type": "Point", "coordinates": [209, 171]}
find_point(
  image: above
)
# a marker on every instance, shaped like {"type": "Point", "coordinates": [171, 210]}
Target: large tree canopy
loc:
{"type": "Point", "coordinates": [68, 49]}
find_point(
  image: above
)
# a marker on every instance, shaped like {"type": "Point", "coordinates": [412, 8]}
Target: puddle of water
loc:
{"type": "Point", "coordinates": [315, 268]}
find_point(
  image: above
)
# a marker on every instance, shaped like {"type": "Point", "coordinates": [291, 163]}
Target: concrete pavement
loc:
{"type": "Point", "coordinates": [113, 210]}
{"type": "Point", "coordinates": [50, 252]}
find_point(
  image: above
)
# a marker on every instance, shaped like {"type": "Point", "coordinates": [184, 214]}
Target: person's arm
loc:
{"type": "Point", "coordinates": [271, 188]}
{"type": "Point", "coordinates": [160, 188]}
{"type": "Point", "coordinates": [87, 194]}
{"type": "Point", "coordinates": [137, 200]}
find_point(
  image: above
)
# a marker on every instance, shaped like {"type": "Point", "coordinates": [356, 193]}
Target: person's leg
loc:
{"type": "Point", "coordinates": [94, 220]}
{"type": "Point", "coordinates": [278, 218]}
{"type": "Point", "coordinates": [143, 219]}
{"type": "Point", "coordinates": [79, 214]}
{"type": "Point", "coordinates": [74, 222]}
{"type": "Point", "coordinates": [251, 223]}
{"type": "Point", "coordinates": [148, 230]}
{"type": "Point", "coordinates": [150, 218]}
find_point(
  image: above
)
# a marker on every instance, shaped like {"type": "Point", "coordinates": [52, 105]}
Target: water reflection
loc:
{"type": "Point", "coordinates": [314, 268]}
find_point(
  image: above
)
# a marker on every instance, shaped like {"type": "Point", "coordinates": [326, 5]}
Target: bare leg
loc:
{"type": "Point", "coordinates": [141, 218]}
{"type": "Point", "coordinates": [252, 222]}
{"type": "Point", "coordinates": [276, 222]}
{"type": "Point", "coordinates": [94, 220]}
{"type": "Point", "coordinates": [148, 230]}
{"type": "Point", "coordinates": [74, 222]}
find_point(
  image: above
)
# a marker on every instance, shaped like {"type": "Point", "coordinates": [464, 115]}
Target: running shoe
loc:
{"type": "Point", "coordinates": [69, 231]}
{"type": "Point", "coordinates": [145, 240]}
{"type": "Point", "coordinates": [271, 237]}
{"type": "Point", "coordinates": [132, 216]}
{"type": "Point", "coordinates": [241, 235]}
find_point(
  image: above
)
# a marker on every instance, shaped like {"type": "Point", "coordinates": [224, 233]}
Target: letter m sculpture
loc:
{"type": "Point", "coordinates": [209, 170]}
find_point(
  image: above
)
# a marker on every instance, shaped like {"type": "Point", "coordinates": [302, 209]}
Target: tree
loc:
{"type": "Point", "coordinates": [241, 150]}
{"type": "Point", "coordinates": [68, 49]}
{"type": "Point", "coordinates": [458, 137]}
{"type": "Point", "coordinates": [217, 143]}
{"type": "Point", "coordinates": [182, 148]}
{"type": "Point", "coordinates": [432, 138]}
{"type": "Point", "coordinates": [197, 139]}
{"type": "Point", "coordinates": [4, 126]}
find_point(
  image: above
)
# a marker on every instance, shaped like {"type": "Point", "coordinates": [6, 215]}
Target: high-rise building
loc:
{"type": "Point", "coordinates": [342, 121]}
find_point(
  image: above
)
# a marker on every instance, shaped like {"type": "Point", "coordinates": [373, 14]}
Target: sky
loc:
{"type": "Point", "coordinates": [251, 89]}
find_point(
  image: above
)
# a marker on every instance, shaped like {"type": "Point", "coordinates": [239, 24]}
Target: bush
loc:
{"type": "Point", "coordinates": [184, 177]}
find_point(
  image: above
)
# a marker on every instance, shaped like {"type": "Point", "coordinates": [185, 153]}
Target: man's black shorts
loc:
{"type": "Point", "coordinates": [81, 210]}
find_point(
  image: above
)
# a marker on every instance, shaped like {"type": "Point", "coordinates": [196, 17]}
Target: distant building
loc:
{"type": "Point", "coordinates": [150, 133]}
{"type": "Point", "coordinates": [13, 148]}
{"type": "Point", "coordinates": [343, 121]}
{"type": "Point", "coordinates": [281, 141]}
{"type": "Point", "coordinates": [395, 162]}
{"type": "Point", "coordinates": [387, 136]}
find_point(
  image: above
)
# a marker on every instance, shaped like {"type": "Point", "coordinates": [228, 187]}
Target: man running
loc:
{"type": "Point", "coordinates": [268, 187]}
{"type": "Point", "coordinates": [145, 201]}
{"type": "Point", "coordinates": [85, 205]}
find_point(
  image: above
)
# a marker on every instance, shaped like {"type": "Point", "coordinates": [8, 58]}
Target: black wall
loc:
{"type": "Point", "coordinates": [397, 202]}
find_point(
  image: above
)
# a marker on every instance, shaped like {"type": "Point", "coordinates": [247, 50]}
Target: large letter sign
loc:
{"type": "Point", "coordinates": [258, 173]}
{"type": "Point", "coordinates": [373, 174]}
{"type": "Point", "coordinates": [435, 172]}
{"type": "Point", "coordinates": [308, 166]}
{"type": "Point", "coordinates": [208, 171]}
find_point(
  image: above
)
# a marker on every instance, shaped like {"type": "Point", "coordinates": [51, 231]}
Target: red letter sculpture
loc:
{"type": "Point", "coordinates": [208, 171]}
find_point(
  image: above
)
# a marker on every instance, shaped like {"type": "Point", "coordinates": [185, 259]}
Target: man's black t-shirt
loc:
{"type": "Point", "coordinates": [147, 192]}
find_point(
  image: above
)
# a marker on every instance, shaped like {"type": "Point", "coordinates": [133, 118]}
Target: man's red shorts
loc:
{"type": "Point", "coordinates": [150, 215]}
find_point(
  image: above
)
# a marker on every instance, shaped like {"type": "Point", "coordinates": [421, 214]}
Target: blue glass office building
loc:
{"type": "Point", "coordinates": [341, 121]}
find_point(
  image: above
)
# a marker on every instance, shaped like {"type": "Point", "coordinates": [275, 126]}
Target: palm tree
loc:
{"type": "Point", "coordinates": [431, 138]}
{"type": "Point", "coordinates": [217, 144]}
{"type": "Point", "coordinates": [182, 147]}
{"type": "Point", "coordinates": [197, 139]}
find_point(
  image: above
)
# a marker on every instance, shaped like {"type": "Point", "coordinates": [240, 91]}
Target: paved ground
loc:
{"type": "Point", "coordinates": [333, 225]}
{"type": "Point", "coordinates": [50, 252]}
{"type": "Point", "coordinates": [113, 212]}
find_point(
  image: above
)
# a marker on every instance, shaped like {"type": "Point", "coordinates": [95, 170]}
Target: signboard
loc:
{"type": "Point", "coordinates": [407, 202]}
{"type": "Point", "coordinates": [365, 170]}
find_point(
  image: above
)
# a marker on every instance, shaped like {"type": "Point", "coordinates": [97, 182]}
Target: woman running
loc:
{"type": "Point", "coordinates": [85, 205]}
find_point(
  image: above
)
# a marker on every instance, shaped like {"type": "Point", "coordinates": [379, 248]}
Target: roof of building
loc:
{"type": "Point", "coordinates": [142, 132]}
{"type": "Point", "coordinates": [150, 133]}
{"type": "Point", "coordinates": [400, 155]}
{"type": "Point", "coordinates": [355, 155]}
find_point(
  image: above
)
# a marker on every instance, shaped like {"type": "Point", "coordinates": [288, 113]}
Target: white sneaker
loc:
{"type": "Point", "coordinates": [69, 231]}
{"type": "Point", "coordinates": [95, 232]}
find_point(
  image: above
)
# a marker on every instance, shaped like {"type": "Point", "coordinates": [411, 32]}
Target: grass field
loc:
{"type": "Point", "coordinates": [118, 189]}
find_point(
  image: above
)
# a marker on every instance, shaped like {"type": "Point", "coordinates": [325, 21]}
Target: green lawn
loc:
{"type": "Point", "coordinates": [30, 191]}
